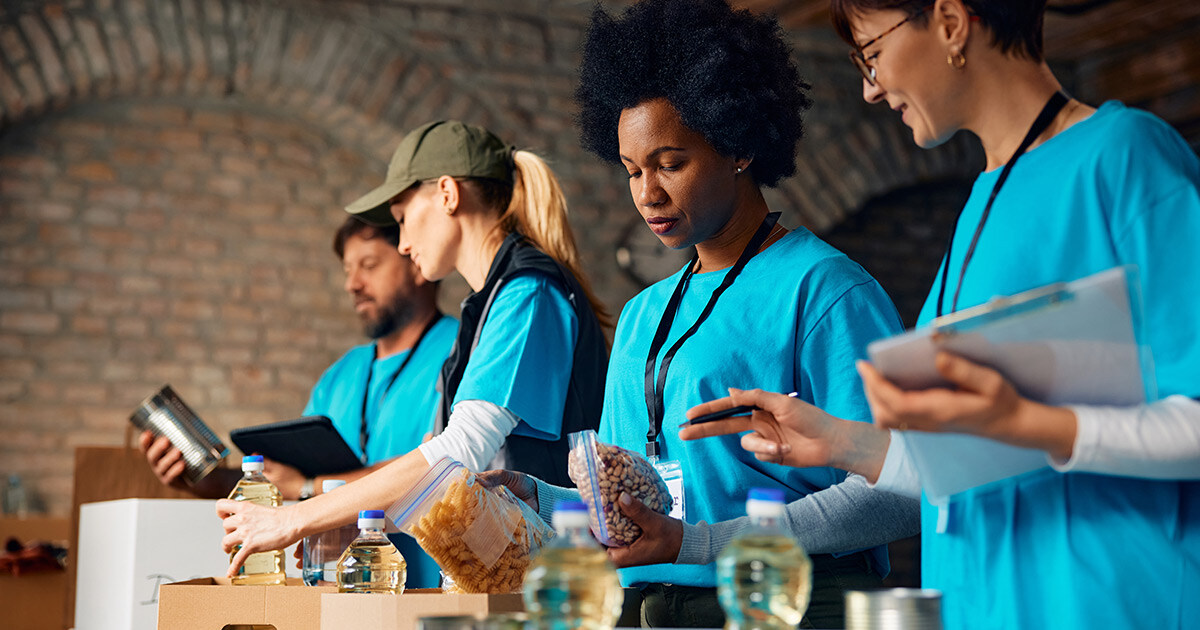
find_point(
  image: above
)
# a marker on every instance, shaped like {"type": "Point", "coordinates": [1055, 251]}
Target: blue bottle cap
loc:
{"type": "Point", "coordinates": [370, 514]}
{"type": "Point", "coordinates": [252, 459]}
{"type": "Point", "coordinates": [570, 506]}
{"type": "Point", "coordinates": [766, 494]}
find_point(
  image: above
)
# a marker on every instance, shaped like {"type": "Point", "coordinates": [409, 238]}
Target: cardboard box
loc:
{"type": "Point", "coordinates": [356, 611]}
{"type": "Point", "coordinates": [213, 603]}
{"type": "Point", "coordinates": [34, 601]}
{"type": "Point", "coordinates": [129, 548]}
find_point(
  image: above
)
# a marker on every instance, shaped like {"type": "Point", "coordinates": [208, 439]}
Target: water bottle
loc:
{"type": "Point", "coordinates": [16, 501]}
{"type": "Point", "coordinates": [265, 567]}
{"type": "Point", "coordinates": [371, 564]}
{"type": "Point", "coordinates": [321, 552]}
{"type": "Point", "coordinates": [764, 578]}
{"type": "Point", "coordinates": [571, 584]}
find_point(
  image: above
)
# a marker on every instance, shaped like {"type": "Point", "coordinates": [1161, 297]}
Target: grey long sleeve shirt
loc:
{"type": "Point", "coordinates": [843, 517]}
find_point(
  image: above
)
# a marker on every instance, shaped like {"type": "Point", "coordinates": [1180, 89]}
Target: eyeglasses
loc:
{"type": "Point", "coordinates": [856, 55]}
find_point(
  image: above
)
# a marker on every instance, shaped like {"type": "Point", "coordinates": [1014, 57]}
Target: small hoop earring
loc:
{"type": "Point", "coordinates": [956, 60]}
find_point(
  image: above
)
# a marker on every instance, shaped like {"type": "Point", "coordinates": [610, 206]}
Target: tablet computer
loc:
{"type": "Point", "coordinates": [309, 444]}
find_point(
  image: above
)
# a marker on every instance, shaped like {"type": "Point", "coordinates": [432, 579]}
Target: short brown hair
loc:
{"type": "Point", "coordinates": [1016, 25]}
{"type": "Point", "coordinates": [353, 226]}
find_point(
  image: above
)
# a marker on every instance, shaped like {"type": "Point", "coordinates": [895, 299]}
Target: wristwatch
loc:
{"type": "Point", "coordinates": [306, 490]}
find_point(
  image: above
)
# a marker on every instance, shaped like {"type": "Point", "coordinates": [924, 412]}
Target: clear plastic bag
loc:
{"type": "Point", "coordinates": [602, 472]}
{"type": "Point", "coordinates": [482, 538]}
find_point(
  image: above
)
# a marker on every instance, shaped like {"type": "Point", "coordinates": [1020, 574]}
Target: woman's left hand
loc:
{"type": "Point", "coordinates": [256, 528]}
{"type": "Point", "coordinates": [984, 403]}
{"type": "Point", "coordinates": [659, 543]}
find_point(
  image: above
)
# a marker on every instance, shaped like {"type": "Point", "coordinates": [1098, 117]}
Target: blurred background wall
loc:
{"type": "Point", "coordinates": [171, 173]}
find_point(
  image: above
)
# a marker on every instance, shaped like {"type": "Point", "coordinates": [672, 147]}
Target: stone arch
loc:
{"type": "Point", "coordinates": [323, 65]}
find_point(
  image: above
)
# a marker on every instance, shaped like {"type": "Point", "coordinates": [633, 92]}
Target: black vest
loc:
{"type": "Point", "coordinates": [543, 459]}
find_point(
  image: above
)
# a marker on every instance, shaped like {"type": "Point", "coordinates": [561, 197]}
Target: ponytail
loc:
{"type": "Point", "coordinates": [538, 211]}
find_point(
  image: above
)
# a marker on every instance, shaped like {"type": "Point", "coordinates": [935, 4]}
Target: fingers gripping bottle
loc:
{"type": "Point", "coordinates": [322, 551]}
{"type": "Point", "coordinates": [371, 564]}
{"type": "Point", "coordinates": [264, 567]}
{"type": "Point", "coordinates": [764, 578]}
{"type": "Point", "coordinates": [571, 585]}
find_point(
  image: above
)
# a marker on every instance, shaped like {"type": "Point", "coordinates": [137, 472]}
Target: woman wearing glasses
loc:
{"type": "Point", "coordinates": [701, 106]}
{"type": "Point", "coordinates": [1108, 533]}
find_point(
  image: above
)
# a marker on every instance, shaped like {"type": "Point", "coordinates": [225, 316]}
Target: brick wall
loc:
{"type": "Point", "coordinates": [147, 242]}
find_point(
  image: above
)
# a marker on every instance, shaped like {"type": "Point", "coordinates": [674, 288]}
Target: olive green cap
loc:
{"type": "Point", "coordinates": [444, 147]}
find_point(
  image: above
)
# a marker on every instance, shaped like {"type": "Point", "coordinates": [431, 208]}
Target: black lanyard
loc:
{"type": "Point", "coordinates": [364, 431]}
{"type": "Point", "coordinates": [654, 390]}
{"type": "Point", "coordinates": [1051, 109]}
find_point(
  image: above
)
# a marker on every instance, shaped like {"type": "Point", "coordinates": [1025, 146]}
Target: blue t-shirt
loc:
{"type": "Point", "coordinates": [795, 319]}
{"type": "Point", "coordinates": [398, 417]}
{"type": "Point", "coordinates": [525, 355]}
{"type": "Point", "coordinates": [1080, 550]}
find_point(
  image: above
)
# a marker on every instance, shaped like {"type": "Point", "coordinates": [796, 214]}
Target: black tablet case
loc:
{"type": "Point", "coordinates": [309, 444]}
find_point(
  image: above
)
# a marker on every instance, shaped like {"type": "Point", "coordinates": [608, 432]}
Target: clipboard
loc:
{"type": "Point", "coordinates": [310, 444]}
{"type": "Point", "coordinates": [1064, 343]}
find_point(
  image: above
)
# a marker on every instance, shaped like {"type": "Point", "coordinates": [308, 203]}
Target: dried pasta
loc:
{"type": "Point", "coordinates": [482, 540]}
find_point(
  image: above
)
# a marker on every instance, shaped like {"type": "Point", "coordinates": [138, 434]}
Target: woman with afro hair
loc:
{"type": "Point", "coordinates": [701, 105]}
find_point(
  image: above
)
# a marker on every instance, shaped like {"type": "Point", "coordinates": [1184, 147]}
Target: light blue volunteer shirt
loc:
{"type": "Point", "coordinates": [795, 319]}
{"type": "Point", "coordinates": [1079, 550]}
{"type": "Point", "coordinates": [398, 419]}
{"type": "Point", "coordinates": [525, 355]}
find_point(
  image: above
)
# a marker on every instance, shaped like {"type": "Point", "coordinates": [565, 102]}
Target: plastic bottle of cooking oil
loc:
{"type": "Point", "coordinates": [371, 564]}
{"type": "Point", "coordinates": [265, 567]}
{"type": "Point", "coordinates": [571, 585]}
{"type": "Point", "coordinates": [764, 578]}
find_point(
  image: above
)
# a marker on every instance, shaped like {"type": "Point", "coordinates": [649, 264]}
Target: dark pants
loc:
{"type": "Point", "coordinates": [671, 606]}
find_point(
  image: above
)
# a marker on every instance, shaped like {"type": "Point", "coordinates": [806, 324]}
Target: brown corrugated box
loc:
{"type": "Point", "coordinates": [213, 603]}
{"type": "Point", "coordinates": [356, 611]}
{"type": "Point", "coordinates": [33, 601]}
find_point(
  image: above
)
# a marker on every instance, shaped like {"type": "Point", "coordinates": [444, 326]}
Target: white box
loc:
{"type": "Point", "coordinates": [128, 548]}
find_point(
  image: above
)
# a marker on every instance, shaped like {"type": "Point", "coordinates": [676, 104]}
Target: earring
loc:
{"type": "Point", "coordinates": [956, 60]}
{"type": "Point", "coordinates": [739, 169]}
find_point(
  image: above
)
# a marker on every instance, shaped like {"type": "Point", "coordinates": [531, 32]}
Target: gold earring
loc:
{"type": "Point", "coordinates": [956, 60]}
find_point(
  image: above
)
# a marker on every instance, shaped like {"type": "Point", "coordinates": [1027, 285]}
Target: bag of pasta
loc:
{"type": "Point", "coordinates": [482, 538]}
{"type": "Point", "coordinates": [602, 472]}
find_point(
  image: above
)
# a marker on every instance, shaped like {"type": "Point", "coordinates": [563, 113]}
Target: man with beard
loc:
{"type": "Point", "coordinates": [381, 396]}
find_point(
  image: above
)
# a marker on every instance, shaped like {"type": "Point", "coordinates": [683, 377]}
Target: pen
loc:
{"type": "Point", "coordinates": [739, 410]}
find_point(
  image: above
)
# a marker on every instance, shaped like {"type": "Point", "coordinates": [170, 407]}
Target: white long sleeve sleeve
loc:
{"type": "Point", "coordinates": [898, 474]}
{"type": "Point", "coordinates": [474, 434]}
{"type": "Point", "coordinates": [1159, 440]}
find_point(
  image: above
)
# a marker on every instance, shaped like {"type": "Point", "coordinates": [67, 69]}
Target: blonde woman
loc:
{"type": "Point", "coordinates": [528, 365]}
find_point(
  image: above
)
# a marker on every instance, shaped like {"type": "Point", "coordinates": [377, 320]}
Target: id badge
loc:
{"type": "Point", "coordinates": [672, 473]}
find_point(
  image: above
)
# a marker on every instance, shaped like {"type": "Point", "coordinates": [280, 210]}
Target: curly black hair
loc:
{"type": "Point", "coordinates": [728, 73]}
